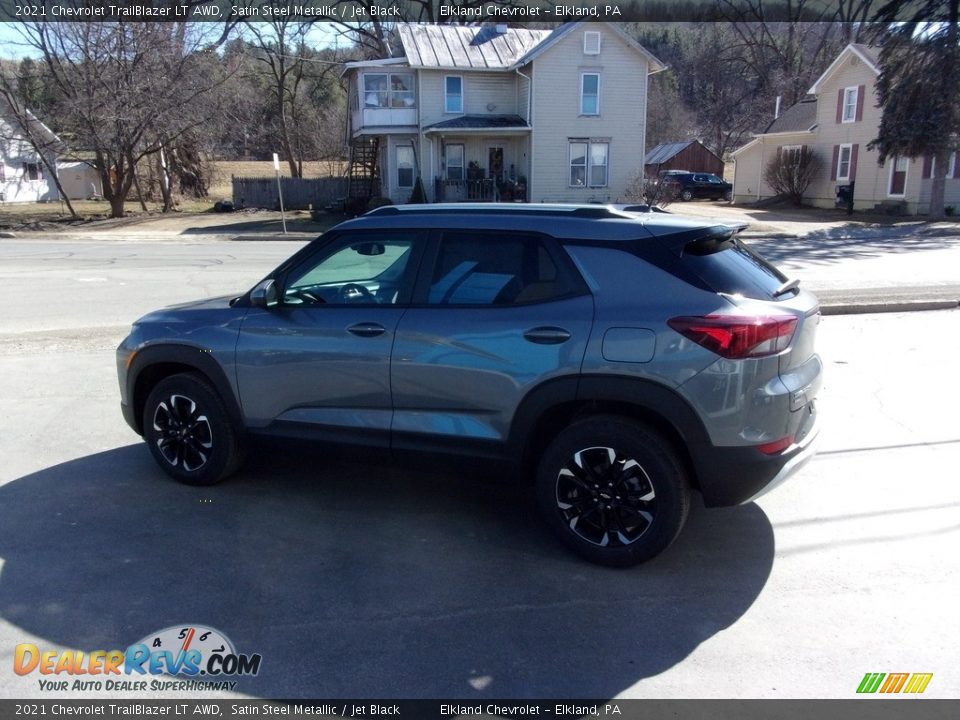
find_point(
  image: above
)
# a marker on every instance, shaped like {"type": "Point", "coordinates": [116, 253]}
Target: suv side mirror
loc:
{"type": "Point", "coordinates": [264, 295]}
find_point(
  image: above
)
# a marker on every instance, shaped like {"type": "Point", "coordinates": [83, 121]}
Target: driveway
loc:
{"type": "Point", "coordinates": [355, 577]}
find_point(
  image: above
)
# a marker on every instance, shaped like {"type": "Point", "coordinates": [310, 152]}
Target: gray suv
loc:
{"type": "Point", "coordinates": [616, 360]}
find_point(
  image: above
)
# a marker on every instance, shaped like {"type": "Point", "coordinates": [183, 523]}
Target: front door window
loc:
{"type": "Point", "coordinates": [495, 163]}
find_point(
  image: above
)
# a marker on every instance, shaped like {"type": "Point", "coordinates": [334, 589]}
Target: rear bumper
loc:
{"type": "Point", "coordinates": [737, 475]}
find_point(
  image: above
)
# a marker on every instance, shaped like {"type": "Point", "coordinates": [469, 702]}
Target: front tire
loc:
{"type": "Point", "coordinates": [189, 432]}
{"type": "Point", "coordinates": [613, 490]}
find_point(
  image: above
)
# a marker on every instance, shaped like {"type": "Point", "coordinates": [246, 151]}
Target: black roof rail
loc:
{"type": "Point", "coordinates": [592, 211]}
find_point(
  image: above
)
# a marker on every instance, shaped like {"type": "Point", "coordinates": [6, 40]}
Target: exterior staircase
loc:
{"type": "Point", "coordinates": [363, 172]}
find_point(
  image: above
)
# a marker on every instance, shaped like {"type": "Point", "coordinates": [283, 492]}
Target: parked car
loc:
{"type": "Point", "coordinates": [690, 185]}
{"type": "Point", "coordinates": [617, 361]}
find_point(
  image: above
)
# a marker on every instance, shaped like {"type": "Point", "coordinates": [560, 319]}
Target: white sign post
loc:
{"type": "Point", "coordinates": [276, 166]}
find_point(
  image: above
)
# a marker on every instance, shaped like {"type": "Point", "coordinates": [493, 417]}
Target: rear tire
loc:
{"type": "Point", "coordinates": [189, 432]}
{"type": "Point", "coordinates": [686, 195]}
{"type": "Point", "coordinates": [613, 490]}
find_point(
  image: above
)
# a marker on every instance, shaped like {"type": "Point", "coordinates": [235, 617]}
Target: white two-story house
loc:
{"type": "Point", "coordinates": [496, 113]}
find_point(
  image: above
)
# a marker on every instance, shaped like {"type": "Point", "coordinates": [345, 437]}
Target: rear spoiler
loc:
{"type": "Point", "coordinates": [706, 239]}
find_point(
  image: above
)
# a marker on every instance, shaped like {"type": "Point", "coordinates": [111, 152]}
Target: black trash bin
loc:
{"type": "Point", "coordinates": [845, 197]}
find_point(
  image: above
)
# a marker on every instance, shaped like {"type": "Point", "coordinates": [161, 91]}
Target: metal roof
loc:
{"type": "Point", "coordinates": [466, 47]}
{"type": "Point", "coordinates": [664, 151]}
{"type": "Point", "coordinates": [478, 122]}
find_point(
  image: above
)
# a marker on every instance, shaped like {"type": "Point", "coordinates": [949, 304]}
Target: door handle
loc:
{"type": "Point", "coordinates": [366, 329]}
{"type": "Point", "coordinates": [547, 335]}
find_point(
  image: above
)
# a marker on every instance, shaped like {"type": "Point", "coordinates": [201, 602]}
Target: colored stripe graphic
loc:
{"type": "Point", "coordinates": [918, 682]}
{"type": "Point", "coordinates": [914, 683]}
{"type": "Point", "coordinates": [894, 683]}
{"type": "Point", "coordinates": [870, 682]}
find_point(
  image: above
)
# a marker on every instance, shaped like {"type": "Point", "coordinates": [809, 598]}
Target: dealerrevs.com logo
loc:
{"type": "Point", "coordinates": [199, 657]}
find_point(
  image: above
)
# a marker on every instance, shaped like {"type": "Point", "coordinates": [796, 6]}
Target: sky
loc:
{"type": "Point", "coordinates": [12, 46]}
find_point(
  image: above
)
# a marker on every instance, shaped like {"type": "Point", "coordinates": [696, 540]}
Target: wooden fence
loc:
{"type": "Point", "coordinates": [298, 193]}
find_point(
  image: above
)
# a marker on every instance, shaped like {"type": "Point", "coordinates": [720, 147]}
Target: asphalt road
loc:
{"type": "Point", "coordinates": [353, 577]}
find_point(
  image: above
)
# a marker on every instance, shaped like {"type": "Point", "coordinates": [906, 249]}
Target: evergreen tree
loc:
{"type": "Point", "coordinates": [917, 88]}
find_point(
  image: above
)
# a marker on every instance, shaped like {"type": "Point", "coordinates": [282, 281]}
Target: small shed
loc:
{"type": "Point", "coordinates": [80, 180]}
{"type": "Point", "coordinates": [690, 155]}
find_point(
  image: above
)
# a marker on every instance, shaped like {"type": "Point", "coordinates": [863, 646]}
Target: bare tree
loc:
{"type": "Point", "coordinates": [297, 83]}
{"type": "Point", "coordinates": [650, 191]}
{"type": "Point", "coordinates": [124, 90]}
{"type": "Point", "coordinates": [791, 172]}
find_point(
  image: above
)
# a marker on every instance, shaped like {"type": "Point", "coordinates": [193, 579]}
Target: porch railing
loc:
{"type": "Point", "coordinates": [466, 190]}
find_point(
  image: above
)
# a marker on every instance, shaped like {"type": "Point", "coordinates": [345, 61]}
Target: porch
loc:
{"type": "Point", "coordinates": [478, 159]}
{"type": "Point", "coordinates": [480, 190]}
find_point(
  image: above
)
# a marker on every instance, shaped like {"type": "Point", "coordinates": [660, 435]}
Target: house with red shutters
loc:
{"type": "Point", "coordinates": [837, 119]}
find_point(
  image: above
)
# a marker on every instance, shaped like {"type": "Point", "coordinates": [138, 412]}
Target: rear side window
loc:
{"type": "Point", "coordinates": [728, 266]}
{"type": "Point", "coordinates": [500, 269]}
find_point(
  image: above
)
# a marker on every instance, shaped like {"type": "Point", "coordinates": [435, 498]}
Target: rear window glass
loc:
{"type": "Point", "coordinates": [729, 266]}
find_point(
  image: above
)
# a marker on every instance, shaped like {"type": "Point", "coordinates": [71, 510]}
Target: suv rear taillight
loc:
{"type": "Point", "coordinates": [738, 336]}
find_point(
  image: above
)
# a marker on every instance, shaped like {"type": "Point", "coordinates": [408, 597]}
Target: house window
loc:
{"type": "Point", "coordinates": [401, 90]}
{"type": "Point", "coordinates": [590, 94]}
{"type": "Point", "coordinates": [32, 171]}
{"type": "Point", "coordinates": [843, 162]}
{"type": "Point", "coordinates": [589, 162]}
{"type": "Point", "coordinates": [951, 168]}
{"type": "Point", "coordinates": [383, 90]}
{"type": "Point", "coordinates": [850, 104]}
{"type": "Point", "coordinates": [404, 166]}
{"type": "Point", "coordinates": [453, 94]}
{"type": "Point", "coordinates": [591, 43]}
{"type": "Point", "coordinates": [791, 154]}
{"type": "Point", "coordinates": [454, 162]}
{"type": "Point", "coordinates": [375, 92]}
{"type": "Point", "coordinates": [599, 153]}
{"type": "Point", "coordinates": [898, 177]}
{"type": "Point", "coordinates": [578, 164]}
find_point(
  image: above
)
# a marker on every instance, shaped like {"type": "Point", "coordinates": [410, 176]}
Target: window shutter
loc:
{"type": "Point", "coordinates": [927, 167]}
{"type": "Point", "coordinates": [861, 92]}
{"type": "Point", "coordinates": [836, 161]}
{"type": "Point", "coordinates": [839, 106]}
{"type": "Point", "coordinates": [853, 162]}
{"type": "Point", "coordinates": [956, 164]}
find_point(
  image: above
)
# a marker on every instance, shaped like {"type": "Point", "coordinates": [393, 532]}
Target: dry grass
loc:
{"type": "Point", "coordinates": [24, 215]}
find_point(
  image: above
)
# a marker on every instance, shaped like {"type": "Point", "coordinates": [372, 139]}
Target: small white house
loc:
{"type": "Point", "coordinates": [23, 175]}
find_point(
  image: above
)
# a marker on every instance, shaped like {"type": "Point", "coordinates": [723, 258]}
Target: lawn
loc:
{"type": "Point", "coordinates": [49, 215]}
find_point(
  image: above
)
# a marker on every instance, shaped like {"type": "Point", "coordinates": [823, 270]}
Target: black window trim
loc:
{"type": "Point", "coordinates": [566, 270]}
{"type": "Point", "coordinates": [339, 240]}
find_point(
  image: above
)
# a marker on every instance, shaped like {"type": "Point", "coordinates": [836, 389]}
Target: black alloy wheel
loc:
{"type": "Point", "coordinates": [189, 432]}
{"type": "Point", "coordinates": [614, 490]}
